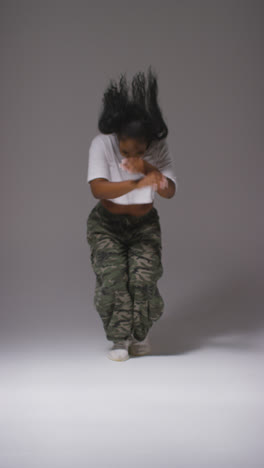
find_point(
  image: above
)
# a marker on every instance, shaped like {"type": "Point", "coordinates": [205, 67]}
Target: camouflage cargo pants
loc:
{"type": "Point", "coordinates": [125, 253]}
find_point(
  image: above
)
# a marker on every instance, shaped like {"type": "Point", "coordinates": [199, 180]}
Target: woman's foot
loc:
{"type": "Point", "coordinates": [119, 351]}
{"type": "Point", "coordinates": [139, 348]}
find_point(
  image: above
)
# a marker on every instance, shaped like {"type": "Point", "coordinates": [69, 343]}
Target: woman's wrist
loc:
{"type": "Point", "coordinates": [147, 167]}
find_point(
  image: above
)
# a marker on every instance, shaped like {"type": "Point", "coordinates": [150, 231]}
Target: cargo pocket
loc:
{"type": "Point", "coordinates": [104, 305]}
{"type": "Point", "coordinates": [155, 307]}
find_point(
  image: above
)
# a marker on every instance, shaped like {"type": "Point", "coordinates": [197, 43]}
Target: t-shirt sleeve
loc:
{"type": "Point", "coordinates": [97, 161]}
{"type": "Point", "coordinates": [165, 163]}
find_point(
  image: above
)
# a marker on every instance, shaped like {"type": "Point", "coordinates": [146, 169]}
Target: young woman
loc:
{"type": "Point", "coordinates": [129, 161]}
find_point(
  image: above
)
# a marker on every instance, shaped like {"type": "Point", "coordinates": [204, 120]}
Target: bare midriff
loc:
{"type": "Point", "coordinates": [134, 210]}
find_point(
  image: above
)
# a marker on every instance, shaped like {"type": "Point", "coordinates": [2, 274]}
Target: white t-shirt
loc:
{"type": "Point", "coordinates": [105, 157]}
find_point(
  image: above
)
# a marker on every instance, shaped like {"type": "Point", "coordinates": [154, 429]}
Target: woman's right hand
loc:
{"type": "Point", "coordinates": [154, 178]}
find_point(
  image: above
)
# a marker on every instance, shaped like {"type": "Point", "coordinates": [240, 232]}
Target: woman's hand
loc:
{"type": "Point", "coordinates": [154, 178]}
{"type": "Point", "coordinates": [133, 164]}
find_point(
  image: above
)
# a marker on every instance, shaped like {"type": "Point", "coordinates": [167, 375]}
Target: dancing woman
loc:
{"type": "Point", "coordinates": [129, 162]}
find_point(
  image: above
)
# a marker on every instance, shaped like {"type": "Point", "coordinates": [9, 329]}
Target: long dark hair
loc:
{"type": "Point", "coordinates": [136, 117]}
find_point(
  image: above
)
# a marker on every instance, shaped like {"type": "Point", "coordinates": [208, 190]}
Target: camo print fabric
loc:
{"type": "Point", "coordinates": [125, 253]}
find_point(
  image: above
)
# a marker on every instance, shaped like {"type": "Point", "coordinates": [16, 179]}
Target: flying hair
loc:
{"type": "Point", "coordinates": [133, 112]}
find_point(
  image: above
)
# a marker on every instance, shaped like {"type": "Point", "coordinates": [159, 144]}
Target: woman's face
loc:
{"type": "Point", "coordinates": [129, 147]}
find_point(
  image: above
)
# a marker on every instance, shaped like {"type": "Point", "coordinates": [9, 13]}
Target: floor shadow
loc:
{"type": "Point", "coordinates": [226, 314]}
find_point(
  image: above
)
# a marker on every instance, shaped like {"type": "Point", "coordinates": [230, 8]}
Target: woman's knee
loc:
{"type": "Point", "coordinates": [109, 265]}
{"type": "Point", "coordinates": [145, 263]}
{"type": "Point", "coordinates": [111, 277]}
{"type": "Point", "coordinates": [148, 276]}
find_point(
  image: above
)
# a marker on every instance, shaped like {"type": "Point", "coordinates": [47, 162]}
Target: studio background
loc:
{"type": "Point", "coordinates": [205, 376]}
{"type": "Point", "coordinates": [57, 58]}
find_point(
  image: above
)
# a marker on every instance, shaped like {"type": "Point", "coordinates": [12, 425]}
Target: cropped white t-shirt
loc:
{"type": "Point", "coordinates": [104, 159]}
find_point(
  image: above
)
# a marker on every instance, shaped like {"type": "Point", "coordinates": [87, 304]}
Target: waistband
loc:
{"type": "Point", "coordinates": [118, 217]}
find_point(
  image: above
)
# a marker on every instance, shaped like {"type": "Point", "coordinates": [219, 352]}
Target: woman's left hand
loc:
{"type": "Point", "coordinates": [133, 164]}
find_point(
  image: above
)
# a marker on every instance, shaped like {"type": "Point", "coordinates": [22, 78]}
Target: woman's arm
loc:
{"type": "Point", "coordinates": [147, 167]}
{"type": "Point", "coordinates": [103, 188]}
{"type": "Point", "coordinates": [169, 191]}
{"type": "Point", "coordinates": [166, 192]}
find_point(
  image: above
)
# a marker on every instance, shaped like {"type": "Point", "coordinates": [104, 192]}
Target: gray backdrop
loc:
{"type": "Point", "coordinates": [56, 60]}
{"type": "Point", "coordinates": [197, 400]}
